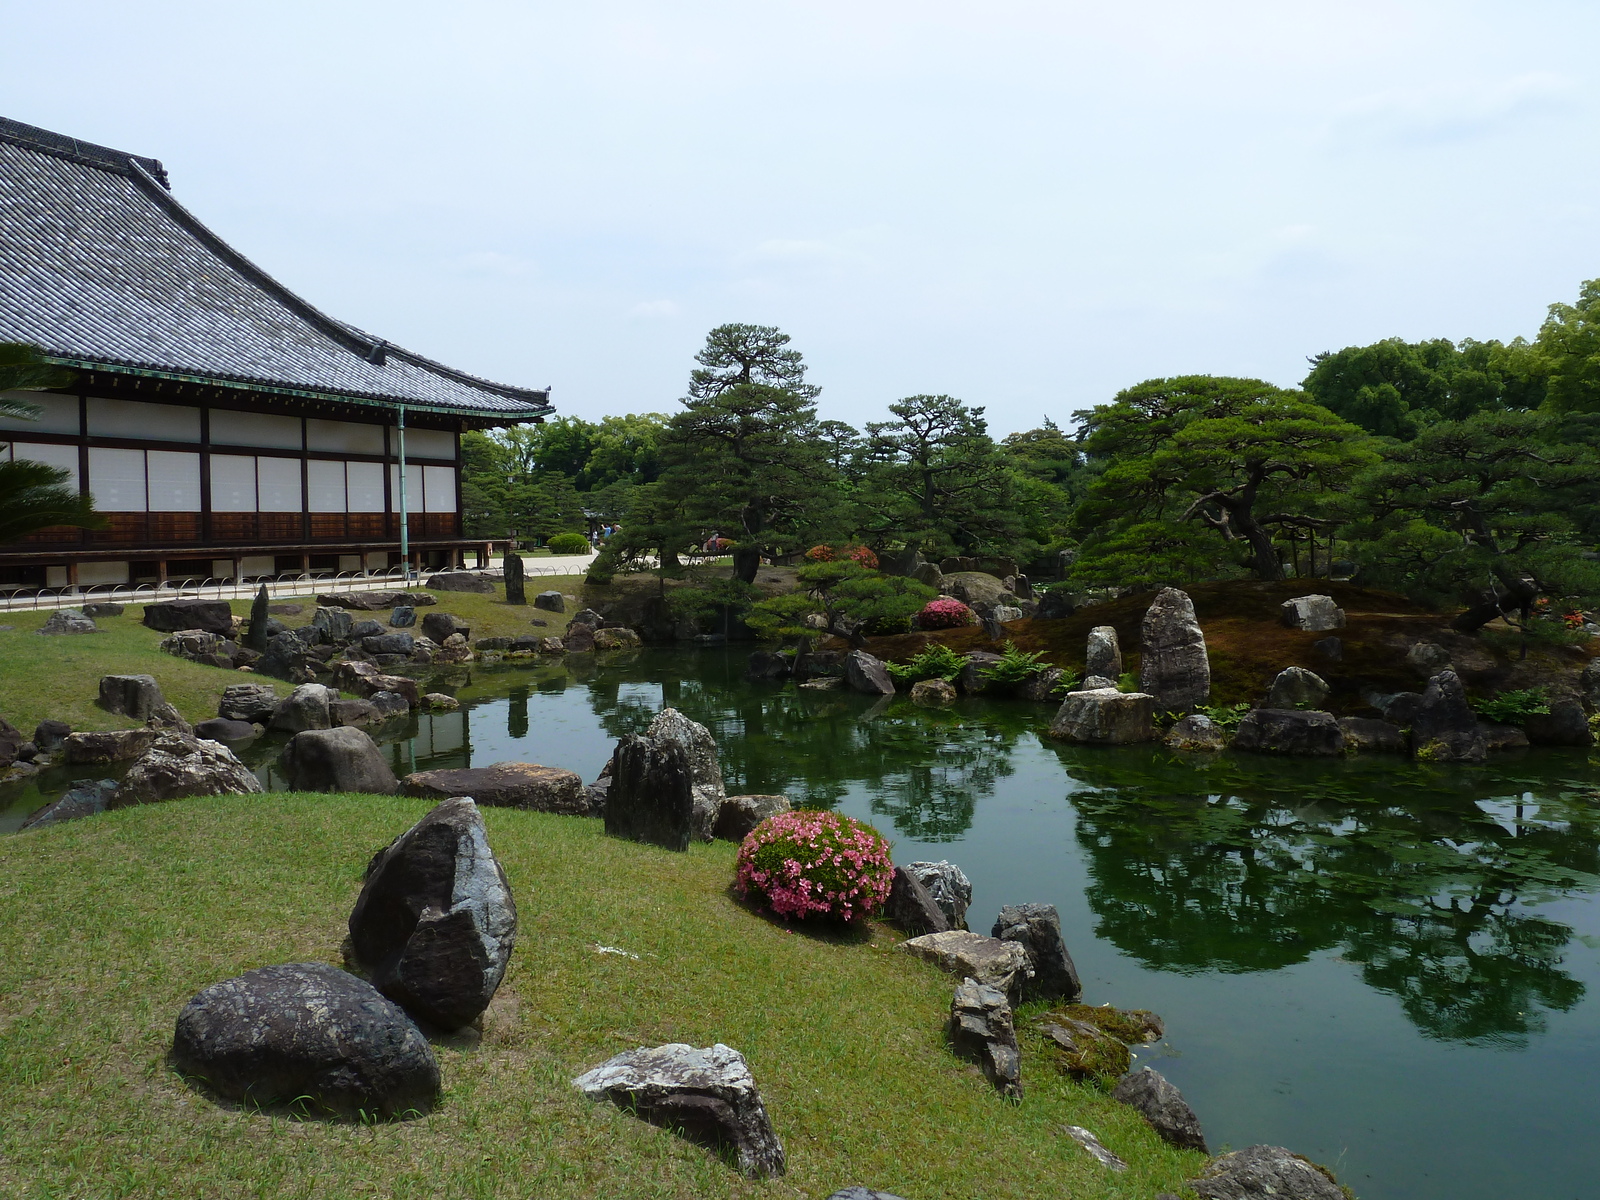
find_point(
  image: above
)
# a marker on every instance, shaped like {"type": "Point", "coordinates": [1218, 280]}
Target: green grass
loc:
{"type": "Point", "coordinates": [112, 923]}
{"type": "Point", "coordinates": [58, 677]}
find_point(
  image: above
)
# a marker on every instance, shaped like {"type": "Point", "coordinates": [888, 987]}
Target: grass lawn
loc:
{"type": "Point", "coordinates": [112, 923]}
{"type": "Point", "coordinates": [58, 677]}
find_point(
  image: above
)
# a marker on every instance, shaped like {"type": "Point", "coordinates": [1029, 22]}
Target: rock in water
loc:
{"type": "Point", "coordinates": [1315, 614]}
{"type": "Point", "coordinates": [1566, 724]}
{"type": "Point", "coordinates": [1037, 929]}
{"type": "Point", "coordinates": [516, 580]}
{"type": "Point", "coordinates": [912, 907]}
{"type": "Point", "coordinates": [68, 620]}
{"type": "Point", "coordinates": [1445, 729]}
{"type": "Point", "coordinates": [1104, 653]}
{"type": "Point", "coordinates": [741, 814]}
{"type": "Point", "coordinates": [1105, 716]}
{"type": "Point", "coordinates": [178, 765]}
{"type": "Point", "coordinates": [83, 800]}
{"type": "Point", "coordinates": [1164, 1107]}
{"type": "Point", "coordinates": [651, 798]}
{"type": "Point", "coordinates": [1263, 1171]}
{"type": "Point", "coordinates": [1173, 666]}
{"type": "Point", "coordinates": [932, 693]}
{"type": "Point", "coordinates": [867, 674]}
{"type": "Point", "coordinates": [981, 1029]}
{"type": "Point", "coordinates": [1363, 735]}
{"type": "Point", "coordinates": [705, 772]}
{"type": "Point", "coordinates": [1196, 732]}
{"type": "Point", "coordinates": [1289, 731]}
{"type": "Point", "coordinates": [707, 1095]}
{"type": "Point", "coordinates": [277, 1034]}
{"type": "Point", "coordinates": [765, 666]}
{"type": "Point", "coordinates": [220, 729]}
{"type": "Point", "coordinates": [336, 760]}
{"type": "Point", "coordinates": [948, 885]}
{"type": "Point", "coordinates": [1296, 687]}
{"type": "Point", "coordinates": [254, 702]}
{"type": "Point", "coordinates": [435, 922]}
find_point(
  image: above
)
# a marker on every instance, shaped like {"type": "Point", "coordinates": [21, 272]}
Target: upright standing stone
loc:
{"type": "Point", "coordinates": [516, 586]}
{"type": "Point", "coordinates": [1445, 729]}
{"type": "Point", "coordinates": [651, 798]}
{"type": "Point", "coordinates": [1037, 929]}
{"type": "Point", "coordinates": [1104, 653]}
{"type": "Point", "coordinates": [256, 638]}
{"type": "Point", "coordinates": [948, 885]}
{"type": "Point", "coordinates": [981, 1029]}
{"type": "Point", "coordinates": [1173, 666]}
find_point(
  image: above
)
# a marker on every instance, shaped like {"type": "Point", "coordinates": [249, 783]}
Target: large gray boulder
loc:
{"type": "Point", "coordinates": [306, 1031]}
{"type": "Point", "coordinates": [1173, 666]}
{"type": "Point", "coordinates": [440, 626]}
{"type": "Point", "coordinates": [1566, 724]}
{"type": "Point", "coordinates": [1444, 728]}
{"type": "Point", "coordinates": [504, 785]}
{"type": "Point", "coordinates": [867, 674]}
{"type": "Point", "coordinates": [68, 620]}
{"type": "Point", "coordinates": [1296, 687]}
{"type": "Point", "coordinates": [981, 1029]}
{"type": "Point", "coordinates": [389, 643]}
{"type": "Point", "coordinates": [1364, 735]}
{"type": "Point", "coordinates": [550, 602]}
{"type": "Point", "coordinates": [287, 657]}
{"type": "Point", "coordinates": [948, 885]}
{"type": "Point", "coordinates": [1196, 733]}
{"type": "Point", "coordinates": [1103, 654]}
{"type": "Point", "coordinates": [1105, 717]}
{"type": "Point", "coordinates": [1259, 1172]}
{"type": "Point", "coordinates": [137, 696]}
{"type": "Point", "coordinates": [462, 581]}
{"type": "Point", "coordinates": [336, 760]}
{"type": "Point", "coordinates": [1163, 1106]}
{"type": "Point", "coordinates": [1315, 614]}
{"type": "Point", "coordinates": [912, 908]}
{"type": "Point", "coordinates": [651, 796]}
{"type": "Point", "coordinates": [707, 1095]}
{"type": "Point", "coordinates": [739, 815]}
{"type": "Point", "coordinates": [435, 923]}
{"type": "Point", "coordinates": [307, 707]}
{"type": "Point", "coordinates": [705, 772]}
{"type": "Point", "coordinates": [179, 765]}
{"type": "Point", "coordinates": [254, 702]}
{"type": "Point", "coordinates": [966, 955]}
{"type": "Point", "coordinates": [117, 745]}
{"type": "Point", "coordinates": [169, 616]}
{"type": "Point", "coordinates": [1289, 731]}
{"type": "Point", "coordinates": [1037, 929]}
{"type": "Point", "coordinates": [333, 624]}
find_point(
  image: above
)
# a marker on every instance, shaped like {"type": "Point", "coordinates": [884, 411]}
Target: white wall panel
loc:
{"type": "Point", "coordinates": [65, 457]}
{"type": "Point", "coordinates": [174, 481]}
{"type": "Point", "coordinates": [233, 483]}
{"type": "Point", "coordinates": [346, 437]}
{"type": "Point", "coordinates": [278, 484]}
{"type": "Point", "coordinates": [139, 419]}
{"type": "Point", "coordinates": [254, 429]}
{"type": "Point", "coordinates": [364, 482]}
{"type": "Point", "coordinates": [430, 443]}
{"type": "Point", "coordinates": [116, 480]}
{"type": "Point", "coordinates": [440, 483]}
{"type": "Point", "coordinates": [413, 487]}
{"type": "Point", "coordinates": [59, 413]}
{"type": "Point", "coordinates": [325, 486]}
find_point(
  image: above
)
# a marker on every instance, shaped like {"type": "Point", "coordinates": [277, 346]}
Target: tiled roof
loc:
{"type": "Point", "coordinates": [100, 266]}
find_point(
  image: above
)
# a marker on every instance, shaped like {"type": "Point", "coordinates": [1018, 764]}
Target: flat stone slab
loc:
{"type": "Point", "coordinates": [505, 785]}
{"type": "Point", "coordinates": [999, 964]}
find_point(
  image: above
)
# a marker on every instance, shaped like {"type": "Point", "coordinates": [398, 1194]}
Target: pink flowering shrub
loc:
{"type": "Point", "coordinates": [945, 613]}
{"type": "Point", "coordinates": [856, 554]}
{"type": "Point", "coordinates": [813, 863]}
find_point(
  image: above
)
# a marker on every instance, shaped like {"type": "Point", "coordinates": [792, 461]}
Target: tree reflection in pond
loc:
{"type": "Point", "coordinates": [1431, 888]}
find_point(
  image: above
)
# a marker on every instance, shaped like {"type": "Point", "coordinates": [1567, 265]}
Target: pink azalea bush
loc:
{"type": "Point", "coordinates": [813, 863]}
{"type": "Point", "coordinates": [945, 613]}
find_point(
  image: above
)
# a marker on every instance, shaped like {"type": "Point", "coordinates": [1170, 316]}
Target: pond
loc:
{"type": "Point", "coordinates": [1390, 968]}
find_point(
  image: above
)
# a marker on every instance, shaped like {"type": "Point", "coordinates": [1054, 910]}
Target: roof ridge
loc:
{"type": "Point", "coordinates": [119, 162]}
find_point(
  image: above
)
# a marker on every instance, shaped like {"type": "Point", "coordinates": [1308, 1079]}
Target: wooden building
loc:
{"type": "Point", "coordinates": [226, 427]}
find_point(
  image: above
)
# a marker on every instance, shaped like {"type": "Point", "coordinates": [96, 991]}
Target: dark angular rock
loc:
{"type": "Point", "coordinates": [1163, 1105]}
{"type": "Point", "coordinates": [277, 1034]}
{"type": "Point", "coordinates": [706, 1095]}
{"type": "Point", "coordinates": [1330, 648]}
{"type": "Point", "coordinates": [1054, 604]}
{"type": "Point", "coordinates": [220, 729]}
{"type": "Point", "coordinates": [1265, 1171]}
{"type": "Point", "coordinates": [336, 760]}
{"type": "Point", "coordinates": [118, 745]}
{"type": "Point", "coordinates": [260, 616]}
{"type": "Point", "coordinates": [948, 885]}
{"type": "Point", "coordinates": [179, 765]}
{"type": "Point", "coordinates": [333, 624]}
{"type": "Point", "coordinates": [83, 800]}
{"type": "Point", "coordinates": [765, 666]}
{"type": "Point", "coordinates": [971, 680]}
{"type": "Point", "coordinates": [136, 696]}
{"type": "Point", "coordinates": [516, 580]}
{"type": "Point", "coordinates": [1401, 708]}
{"type": "Point", "coordinates": [170, 616]}
{"type": "Point", "coordinates": [48, 736]}
{"type": "Point", "coordinates": [738, 815]}
{"type": "Point", "coordinates": [505, 785]}
{"type": "Point", "coordinates": [376, 601]}
{"type": "Point", "coordinates": [1173, 666]}
{"type": "Point", "coordinates": [1566, 724]}
{"type": "Point", "coordinates": [1445, 729]}
{"type": "Point", "coordinates": [462, 581]}
{"type": "Point", "coordinates": [1041, 687]}
{"type": "Point", "coordinates": [818, 663]}
{"type": "Point", "coordinates": [867, 674]}
{"type": "Point", "coordinates": [435, 923]}
{"type": "Point", "coordinates": [492, 643]}
{"type": "Point", "coordinates": [286, 657]}
{"type": "Point", "coordinates": [912, 908]}
{"type": "Point", "coordinates": [11, 741]}
{"type": "Point", "coordinates": [1296, 687]}
{"type": "Point", "coordinates": [390, 643]}
{"type": "Point", "coordinates": [441, 625]}
{"type": "Point", "coordinates": [579, 639]}
{"type": "Point", "coordinates": [366, 628]}
{"type": "Point", "coordinates": [705, 771]}
{"type": "Point", "coordinates": [386, 705]}
{"type": "Point", "coordinates": [551, 602]}
{"type": "Point", "coordinates": [67, 620]}
{"type": "Point", "coordinates": [588, 616]}
{"type": "Point", "coordinates": [255, 702]}
{"type": "Point", "coordinates": [1500, 738]}
{"type": "Point", "coordinates": [1362, 735]}
{"type": "Point", "coordinates": [96, 611]}
{"type": "Point", "coordinates": [1289, 731]}
{"type": "Point", "coordinates": [651, 798]}
{"type": "Point", "coordinates": [404, 616]}
{"type": "Point", "coordinates": [1037, 929]}
{"type": "Point", "coordinates": [981, 1029]}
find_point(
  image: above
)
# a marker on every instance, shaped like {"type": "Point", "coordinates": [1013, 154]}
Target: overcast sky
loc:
{"type": "Point", "coordinates": [1026, 205]}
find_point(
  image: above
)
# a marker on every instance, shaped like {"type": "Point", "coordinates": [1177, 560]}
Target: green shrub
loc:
{"type": "Point", "coordinates": [568, 543]}
{"type": "Point", "coordinates": [935, 661]}
{"type": "Point", "coordinates": [1513, 708]}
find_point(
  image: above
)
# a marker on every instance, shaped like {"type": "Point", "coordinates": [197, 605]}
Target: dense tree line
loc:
{"type": "Point", "coordinates": [1461, 473]}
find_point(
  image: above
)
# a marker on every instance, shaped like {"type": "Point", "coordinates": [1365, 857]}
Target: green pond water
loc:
{"type": "Point", "coordinates": [1390, 968]}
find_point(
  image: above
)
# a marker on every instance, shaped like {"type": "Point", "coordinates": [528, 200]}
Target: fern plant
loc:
{"type": "Point", "coordinates": [1513, 708]}
{"type": "Point", "coordinates": [935, 661]}
{"type": "Point", "coordinates": [1014, 667]}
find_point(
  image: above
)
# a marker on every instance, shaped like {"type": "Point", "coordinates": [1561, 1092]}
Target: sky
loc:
{"type": "Point", "coordinates": [1025, 205]}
